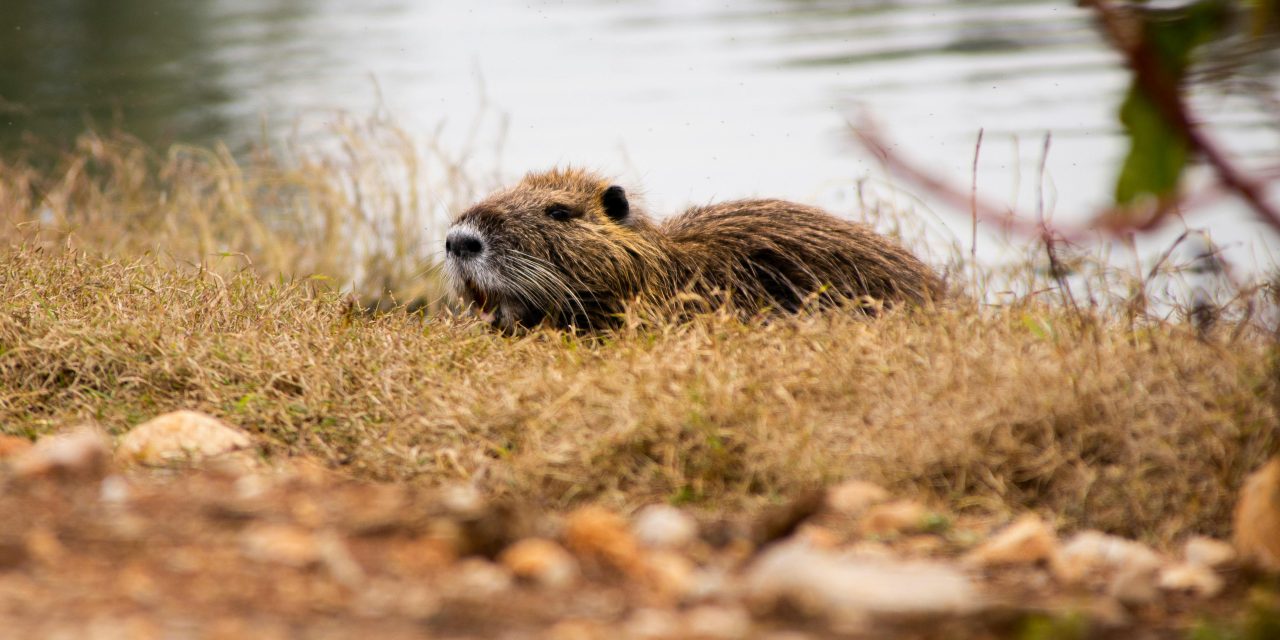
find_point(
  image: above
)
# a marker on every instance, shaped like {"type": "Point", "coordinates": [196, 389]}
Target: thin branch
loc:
{"type": "Point", "coordinates": [1057, 270]}
{"type": "Point", "coordinates": [973, 202]}
{"type": "Point", "coordinates": [1003, 217]}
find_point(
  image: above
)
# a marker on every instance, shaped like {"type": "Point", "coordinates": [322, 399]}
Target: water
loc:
{"type": "Point", "coordinates": [694, 101]}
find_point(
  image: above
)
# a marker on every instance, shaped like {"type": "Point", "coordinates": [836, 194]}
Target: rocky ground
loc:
{"type": "Point", "coordinates": [180, 530]}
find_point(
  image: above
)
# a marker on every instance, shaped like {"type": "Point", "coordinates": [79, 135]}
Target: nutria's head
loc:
{"type": "Point", "coordinates": [565, 247]}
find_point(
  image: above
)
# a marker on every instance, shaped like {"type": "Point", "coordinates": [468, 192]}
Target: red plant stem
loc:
{"type": "Point", "coordinates": [1004, 217]}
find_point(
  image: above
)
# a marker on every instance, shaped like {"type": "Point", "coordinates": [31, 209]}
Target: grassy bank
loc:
{"type": "Point", "coordinates": [1141, 431]}
{"type": "Point", "coordinates": [136, 282]}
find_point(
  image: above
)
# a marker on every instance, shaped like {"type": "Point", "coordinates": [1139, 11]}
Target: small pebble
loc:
{"type": "Point", "coordinates": [540, 561]}
{"type": "Point", "coordinates": [602, 536]}
{"type": "Point", "coordinates": [180, 436]}
{"type": "Point", "coordinates": [846, 590]}
{"type": "Point", "coordinates": [661, 526]}
{"type": "Point", "coordinates": [284, 544]}
{"type": "Point", "coordinates": [652, 624]}
{"type": "Point", "coordinates": [114, 490]}
{"type": "Point", "coordinates": [902, 516]}
{"type": "Point", "coordinates": [479, 579]}
{"type": "Point", "coordinates": [669, 574]}
{"type": "Point", "coordinates": [715, 622]}
{"type": "Point", "coordinates": [1135, 584]}
{"type": "Point", "coordinates": [853, 497]}
{"type": "Point", "coordinates": [83, 452]}
{"type": "Point", "coordinates": [1257, 517]}
{"type": "Point", "coordinates": [1027, 541]}
{"type": "Point", "coordinates": [1095, 553]}
{"type": "Point", "coordinates": [11, 446]}
{"type": "Point", "coordinates": [1208, 552]}
{"type": "Point", "coordinates": [1196, 579]}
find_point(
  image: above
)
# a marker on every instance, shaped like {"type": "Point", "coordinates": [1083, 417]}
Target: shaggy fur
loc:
{"type": "Point", "coordinates": [566, 247]}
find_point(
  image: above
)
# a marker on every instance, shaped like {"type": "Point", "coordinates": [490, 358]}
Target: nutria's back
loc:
{"type": "Point", "coordinates": [567, 247]}
{"type": "Point", "coordinates": [781, 253]}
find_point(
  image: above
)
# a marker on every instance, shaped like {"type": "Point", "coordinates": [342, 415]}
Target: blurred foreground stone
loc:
{"type": "Point", "coordinates": [180, 436]}
{"type": "Point", "coordinates": [1027, 541]}
{"type": "Point", "coordinates": [1257, 517]}
{"type": "Point", "coordinates": [312, 554]}
{"type": "Point", "coordinates": [542, 562]}
{"type": "Point", "coordinates": [852, 497]}
{"type": "Point", "coordinates": [1208, 552]}
{"type": "Point", "coordinates": [848, 590]}
{"type": "Point", "coordinates": [11, 446]}
{"type": "Point", "coordinates": [662, 526]}
{"type": "Point", "coordinates": [83, 452]}
{"type": "Point", "coordinates": [1195, 579]}
{"type": "Point", "coordinates": [895, 518]}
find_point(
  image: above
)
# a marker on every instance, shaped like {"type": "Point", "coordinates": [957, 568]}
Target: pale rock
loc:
{"type": "Point", "coordinates": [600, 535]}
{"type": "Point", "coordinates": [114, 490]}
{"type": "Point", "coordinates": [335, 555]}
{"type": "Point", "coordinates": [1132, 567]}
{"type": "Point", "coordinates": [709, 583]}
{"type": "Point", "coordinates": [1193, 578]}
{"type": "Point", "coordinates": [576, 629]}
{"type": "Point", "coordinates": [383, 597]}
{"type": "Point", "coordinates": [180, 436]}
{"type": "Point", "coordinates": [284, 544]}
{"type": "Point", "coordinates": [463, 500]}
{"type": "Point", "coordinates": [1257, 517]}
{"type": "Point", "coordinates": [661, 526]}
{"type": "Point", "coordinates": [306, 510]}
{"type": "Point", "coordinates": [11, 446]}
{"type": "Point", "coordinates": [852, 497]}
{"type": "Point", "coordinates": [669, 574]}
{"type": "Point", "coordinates": [716, 622]}
{"type": "Point", "coordinates": [902, 516]}
{"type": "Point", "coordinates": [1135, 584]}
{"type": "Point", "coordinates": [1208, 552]}
{"type": "Point", "coordinates": [1106, 613]}
{"type": "Point", "coordinates": [251, 487]}
{"type": "Point", "coordinates": [1093, 552]}
{"type": "Point", "coordinates": [846, 589]}
{"type": "Point", "coordinates": [239, 463]}
{"type": "Point", "coordinates": [652, 624]}
{"type": "Point", "coordinates": [83, 452]}
{"type": "Point", "coordinates": [540, 561]}
{"type": "Point", "coordinates": [421, 556]}
{"type": "Point", "coordinates": [786, 635]}
{"type": "Point", "coordinates": [870, 550]}
{"type": "Point", "coordinates": [479, 579]}
{"type": "Point", "coordinates": [1027, 541]}
{"type": "Point", "coordinates": [817, 536]}
{"type": "Point", "coordinates": [42, 545]}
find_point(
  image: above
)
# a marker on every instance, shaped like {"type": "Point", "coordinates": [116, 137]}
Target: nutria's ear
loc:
{"type": "Point", "coordinates": [615, 203]}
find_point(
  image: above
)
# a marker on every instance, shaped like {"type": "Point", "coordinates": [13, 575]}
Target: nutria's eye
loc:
{"type": "Point", "coordinates": [559, 212]}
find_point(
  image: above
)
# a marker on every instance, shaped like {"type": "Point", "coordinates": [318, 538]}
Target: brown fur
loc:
{"type": "Point", "coordinates": [583, 265]}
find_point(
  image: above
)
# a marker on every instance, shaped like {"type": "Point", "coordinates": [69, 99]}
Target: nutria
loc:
{"type": "Point", "coordinates": [567, 248]}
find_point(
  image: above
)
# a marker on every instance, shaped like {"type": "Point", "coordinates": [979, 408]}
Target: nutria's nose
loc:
{"type": "Point", "coordinates": [463, 244]}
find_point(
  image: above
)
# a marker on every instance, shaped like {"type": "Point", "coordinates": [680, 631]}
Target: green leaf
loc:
{"type": "Point", "coordinates": [1159, 152]}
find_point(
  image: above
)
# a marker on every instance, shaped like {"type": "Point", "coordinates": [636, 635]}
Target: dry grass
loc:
{"type": "Point", "coordinates": [361, 215]}
{"type": "Point", "coordinates": [1098, 418]}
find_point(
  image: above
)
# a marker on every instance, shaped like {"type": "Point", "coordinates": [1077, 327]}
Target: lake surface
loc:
{"type": "Point", "coordinates": [692, 100]}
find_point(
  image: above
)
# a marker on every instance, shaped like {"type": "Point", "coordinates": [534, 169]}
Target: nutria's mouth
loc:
{"type": "Point", "coordinates": [502, 311]}
{"type": "Point", "coordinates": [485, 304]}
{"type": "Point", "coordinates": [477, 296]}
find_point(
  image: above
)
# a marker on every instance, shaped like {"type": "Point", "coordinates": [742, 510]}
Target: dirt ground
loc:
{"type": "Point", "coordinates": [236, 549]}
